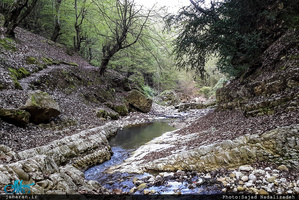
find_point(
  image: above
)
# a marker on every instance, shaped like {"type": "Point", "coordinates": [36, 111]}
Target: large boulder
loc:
{"type": "Point", "coordinates": [15, 116]}
{"type": "Point", "coordinates": [121, 109]}
{"type": "Point", "coordinates": [168, 98]}
{"type": "Point", "coordinates": [41, 106]}
{"type": "Point", "coordinates": [139, 101]}
{"type": "Point", "coordinates": [107, 113]}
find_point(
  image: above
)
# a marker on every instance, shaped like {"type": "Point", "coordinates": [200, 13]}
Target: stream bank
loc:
{"type": "Point", "coordinates": [57, 168]}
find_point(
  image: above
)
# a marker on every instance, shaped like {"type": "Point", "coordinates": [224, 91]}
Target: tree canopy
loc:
{"type": "Point", "coordinates": [236, 31]}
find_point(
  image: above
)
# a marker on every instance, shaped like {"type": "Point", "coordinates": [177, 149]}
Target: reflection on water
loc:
{"type": "Point", "coordinates": [122, 145]}
{"type": "Point", "coordinates": [132, 138]}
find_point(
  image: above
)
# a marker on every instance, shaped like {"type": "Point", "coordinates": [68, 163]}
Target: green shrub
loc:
{"type": "Point", "coordinates": [206, 91]}
{"type": "Point", "coordinates": [148, 91]}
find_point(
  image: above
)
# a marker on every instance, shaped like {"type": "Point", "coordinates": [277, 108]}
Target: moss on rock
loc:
{"type": "Point", "coordinates": [107, 113]}
{"type": "Point", "coordinates": [15, 116]}
{"type": "Point", "coordinates": [121, 109]}
{"type": "Point", "coordinates": [7, 44]}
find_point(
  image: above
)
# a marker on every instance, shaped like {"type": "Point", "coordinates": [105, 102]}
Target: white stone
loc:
{"type": "Point", "coordinates": [268, 169]}
{"type": "Point", "coordinates": [208, 176]}
{"type": "Point", "coordinates": [290, 192]}
{"type": "Point", "coordinates": [252, 177]}
{"type": "Point", "coordinates": [249, 184]}
{"type": "Point", "coordinates": [244, 178]}
{"type": "Point", "coordinates": [260, 171]}
{"type": "Point", "coordinates": [296, 189]}
{"type": "Point", "coordinates": [275, 171]}
{"type": "Point", "coordinates": [276, 175]}
{"type": "Point", "coordinates": [283, 180]}
{"type": "Point", "coordinates": [238, 174]}
{"type": "Point", "coordinates": [245, 168]}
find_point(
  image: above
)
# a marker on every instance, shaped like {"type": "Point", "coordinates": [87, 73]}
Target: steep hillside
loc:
{"type": "Point", "coordinates": [33, 63]}
{"type": "Point", "coordinates": [273, 88]}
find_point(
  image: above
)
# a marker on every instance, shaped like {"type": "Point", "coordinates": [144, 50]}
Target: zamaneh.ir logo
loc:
{"type": "Point", "coordinates": [18, 188]}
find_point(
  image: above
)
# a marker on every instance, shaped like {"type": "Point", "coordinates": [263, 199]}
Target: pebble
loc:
{"type": "Point", "coordinates": [283, 180]}
{"type": "Point", "coordinates": [271, 179]}
{"type": "Point", "coordinates": [117, 191]}
{"type": "Point", "coordinates": [239, 188]}
{"type": "Point", "coordinates": [245, 168]}
{"type": "Point", "coordinates": [296, 189]}
{"type": "Point", "coordinates": [244, 178]}
{"type": "Point", "coordinates": [146, 192]}
{"type": "Point", "coordinates": [232, 175]}
{"type": "Point", "coordinates": [142, 186]}
{"type": "Point", "coordinates": [134, 180]}
{"type": "Point", "coordinates": [207, 176]}
{"type": "Point", "coordinates": [252, 177]}
{"type": "Point", "coordinates": [263, 192]}
{"type": "Point", "coordinates": [248, 184]}
{"type": "Point", "coordinates": [268, 169]}
{"type": "Point", "coordinates": [283, 168]}
{"type": "Point", "coordinates": [239, 174]}
{"type": "Point", "coordinates": [260, 171]}
{"type": "Point", "coordinates": [133, 190]}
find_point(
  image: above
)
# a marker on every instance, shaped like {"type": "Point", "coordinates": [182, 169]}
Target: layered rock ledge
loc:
{"type": "Point", "coordinates": [280, 146]}
{"type": "Point", "coordinates": [56, 168]}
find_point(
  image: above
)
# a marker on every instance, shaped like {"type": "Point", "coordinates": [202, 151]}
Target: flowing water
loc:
{"type": "Point", "coordinates": [122, 145]}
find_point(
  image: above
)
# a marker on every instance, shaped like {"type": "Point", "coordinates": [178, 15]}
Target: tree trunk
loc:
{"type": "Point", "coordinates": [57, 28]}
{"type": "Point", "coordinates": [15, 16]}
{"type": "Point", "coordinates": [108, 53]}
{"type": "Point", "coordinates": [104, 65]}
{"type": "Point", "coordinates": [56, 33]}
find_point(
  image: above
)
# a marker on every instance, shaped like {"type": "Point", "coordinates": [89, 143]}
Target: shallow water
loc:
{"type": "Point", "coordinates": [122, 145]}
{"type": "Point", "coordinates": [134, 137]}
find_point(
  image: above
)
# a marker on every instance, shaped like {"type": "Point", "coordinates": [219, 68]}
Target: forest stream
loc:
{"type": "Point", "coordinates": [122, 145]}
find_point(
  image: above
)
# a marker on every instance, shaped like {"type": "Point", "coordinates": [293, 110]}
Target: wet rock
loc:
{"type": "Point", "coordinates": [41, 107]}
{"type": "Point", "coordinates": [142, 186]}
{"type": "Point", "coordinates": [15, 116]}
{"type": "Point", "coordinates": [133, 190]}
{"type": "Point", "coordinates": [146, 192]}
{"type": "Point", "coordinates": [139, 101]}
{"type": "Point", "coordinates": [135, 179]}
{"type": "Point", "coordinates": [117, 191]}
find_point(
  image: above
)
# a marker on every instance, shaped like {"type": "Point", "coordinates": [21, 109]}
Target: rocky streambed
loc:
{"type": "Point", "coordinates": [168, 164]}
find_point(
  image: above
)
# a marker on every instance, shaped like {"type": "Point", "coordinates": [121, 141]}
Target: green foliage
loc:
{"type": "Point", "coordinates": [148, 91]}
{"type": "Point", "coordinates": [237, 31]}
{"type": "Point", "coordinates": [8, 44]}
{"type": "Point", "coordinates": [18, 73]}
{"type": "Point", "coordinates": [31, 61]}
{"type": "Point", "coordinates": [137, 78]}
{"type": "Point", "coordinates": [47, 61]}
{"type": "Point", "coordinates": [206, 91]}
